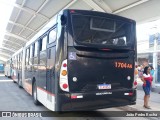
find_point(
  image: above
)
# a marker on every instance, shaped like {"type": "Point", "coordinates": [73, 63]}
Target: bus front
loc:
{"type": "Point", "coordinates": [100, 64]}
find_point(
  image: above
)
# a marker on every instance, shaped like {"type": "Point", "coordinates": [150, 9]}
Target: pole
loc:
{"type": "Point", "coordinates": [155, 61]}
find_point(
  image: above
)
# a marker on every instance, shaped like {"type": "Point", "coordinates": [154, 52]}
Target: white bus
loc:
{"type": "Point", "coordinates": [8, 68]}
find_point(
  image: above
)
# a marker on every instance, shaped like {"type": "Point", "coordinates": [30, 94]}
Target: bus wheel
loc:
{"type": "Point", "coordinates": [19, 82]}
{"type": "Point", "coordinates": [34, 93]}
{"type": "Point", "coordinates": [14, 81]}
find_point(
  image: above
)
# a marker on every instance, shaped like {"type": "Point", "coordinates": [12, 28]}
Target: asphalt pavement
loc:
{"type": "Point", "coordinates": [13, 98]}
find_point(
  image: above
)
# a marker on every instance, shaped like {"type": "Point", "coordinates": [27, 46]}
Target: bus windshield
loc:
{"type": "Point", "coordinates": [93, 30]}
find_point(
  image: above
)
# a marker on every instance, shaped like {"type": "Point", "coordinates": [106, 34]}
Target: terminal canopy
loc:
{"type": "Point", "coordinates": [26, 17]}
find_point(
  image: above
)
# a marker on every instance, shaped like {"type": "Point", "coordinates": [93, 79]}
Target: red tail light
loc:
{"type": "Point", "coordinates": [65, 86]}
{"type": "Point", "coordinates": [135, 82]}
{"type": "Point", "coordinates": [64, 65]}
{"type": "Point", "coordinates": [73, 97]}
{"type": "Point", "coordinates": [135, 78]}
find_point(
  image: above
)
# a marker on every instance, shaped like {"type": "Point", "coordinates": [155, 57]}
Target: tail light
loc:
{"type": "Point", "coordinates": [129, 94]}
{"type": "Point", "coordinates": [135, 78]}
{"type": "Point", "coordinates": [63, 83]}
{"type": "Point", "coordinates": [64, 72]}
{"type": "Point", "coordinates": [135, 83]}
{"type": "Point", "coordinates": [76, 96]}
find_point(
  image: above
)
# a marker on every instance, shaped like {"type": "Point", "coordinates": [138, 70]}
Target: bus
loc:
{"type": "Point", "coordinates": [1, 68]}
{"type": "Point", "coordinates": [16, 73]}
{"type": "Point", "coordinates": [8, 68]}
{"type": "Point", "coordinates": [81, 60]}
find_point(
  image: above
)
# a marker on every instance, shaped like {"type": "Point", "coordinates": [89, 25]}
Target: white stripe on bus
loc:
{"type": "Point", "coordinates": [46, 98]}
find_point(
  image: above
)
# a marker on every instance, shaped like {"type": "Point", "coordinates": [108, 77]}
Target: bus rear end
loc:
{"type": "Point", "coordinates": [99, 69]}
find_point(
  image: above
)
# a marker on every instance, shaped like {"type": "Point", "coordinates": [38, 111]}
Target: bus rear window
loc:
{"type": "Point", "coordinates": [101, 31]}
{"type": "Point", "coordinates": [102, 24]}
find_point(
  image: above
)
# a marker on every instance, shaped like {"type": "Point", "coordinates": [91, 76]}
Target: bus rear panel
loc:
{"type": "Point", "coordinates": [100, 62]}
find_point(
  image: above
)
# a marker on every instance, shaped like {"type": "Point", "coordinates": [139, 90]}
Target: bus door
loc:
{"type": "Point", "coordinates": [51, 47]}
{"type": "Point", "coordinates": [50, 68]}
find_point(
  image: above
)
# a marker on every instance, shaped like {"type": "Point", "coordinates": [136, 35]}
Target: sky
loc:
{"type": "Point", "coordinates": [6, 7]}
{"type": "Point", "coordinates": [146, 29]}
{"type": "Point", "coordinates": [143, 31]}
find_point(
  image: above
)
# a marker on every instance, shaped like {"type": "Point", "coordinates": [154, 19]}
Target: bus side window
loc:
{"type": "Point", "coordinates": [36, 49]}
{"type": "Point", "coordinates": [31, 55]}
{"type": "Point", "coordinates": [18, 62]}
{"type": "Point", "coordinates": [42, 50]}
{"type": "Point", "coordinates": [31, 51]}
{"type": "Point", "coordinates": [52, 36]}
{"type": "Point", "coordinates": [44, 43]}
{"type": "Point", "coordinates": [39, 49]}
{"type": "Point", "coordinates": [27, 56]}
{"type": "Point", "coordinates": [15, 61]}
{"type": "Point", "coordinates": [40, 45]}
{"type": "Point", "coordinates": [35, 53]}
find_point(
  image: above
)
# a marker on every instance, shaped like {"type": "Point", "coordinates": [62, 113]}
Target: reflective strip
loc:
{"type": "Point", "coordinates": [74, 96]}
{"type": "Point", "coordinates": [80, 96]}
{"type": "Point", "coordinates": [126, 93]}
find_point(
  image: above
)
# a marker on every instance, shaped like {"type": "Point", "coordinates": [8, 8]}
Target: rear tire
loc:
{"type": "Point", "coordinates": [19, 83]}
{"type": "Point", "coordinates": [34, 94]}
{"type": "Point", "coordinates": [14, 81]}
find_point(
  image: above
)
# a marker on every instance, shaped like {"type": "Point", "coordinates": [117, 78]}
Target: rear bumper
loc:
{"type": "Point", "coordinates": [93, 101]}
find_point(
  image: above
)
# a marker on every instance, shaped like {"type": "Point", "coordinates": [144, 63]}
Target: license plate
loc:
{"type": "Point", "coordinates": [104, 86]}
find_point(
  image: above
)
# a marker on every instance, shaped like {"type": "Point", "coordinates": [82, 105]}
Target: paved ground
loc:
{"type": "Point", "coordinates": [13, 98]}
